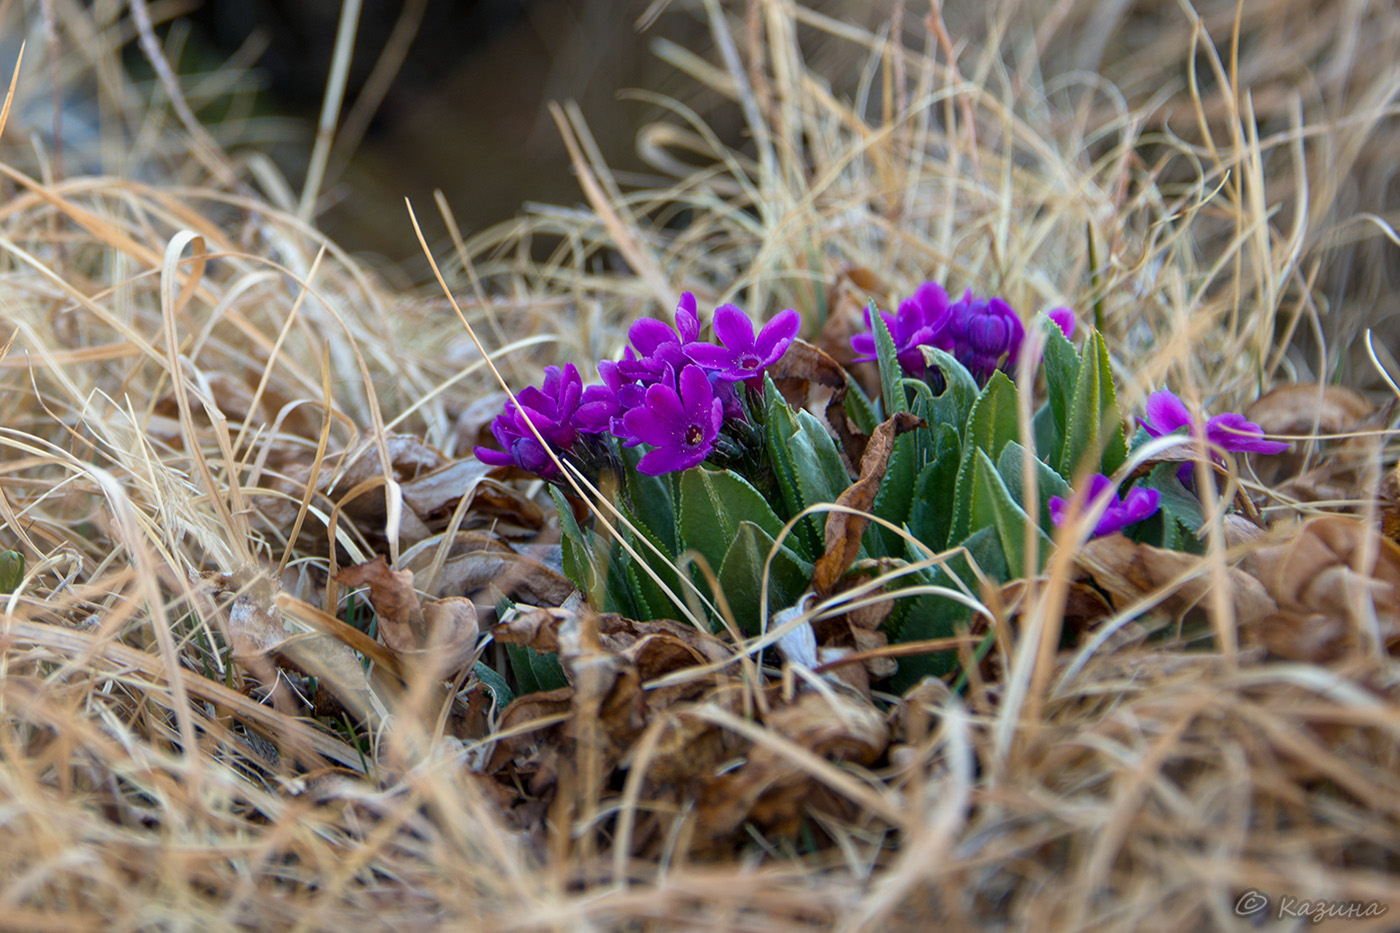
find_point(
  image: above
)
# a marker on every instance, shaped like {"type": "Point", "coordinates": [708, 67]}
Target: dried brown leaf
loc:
{"type": "Point", "coordinates": [843, 530]}
{"type": "Point", "coordinates": [436, 637]}
{"type": "Point", "coordinates": [395, 603]}
{"type": "Point", "coordinates": [1129, 571]}
{"type": "Point", "coordinates": [1316, 577]}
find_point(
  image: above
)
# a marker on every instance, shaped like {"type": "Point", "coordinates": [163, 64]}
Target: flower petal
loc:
{"type": "Point", "coordinates": [777, 335]}
{"type": "Point", "coordinates": [696, 395]}
{"type": "Point", "coordinates": [710, 356]}
{"type": "Point", "coordinates": [687, 319]}
{"type": "Point", "coordinates": [646, 334]}
{"type": "Point", "coordinates": [1063, 319]}
{"type": "Point", "coordinates": [1166, 413]}
{"type": "Point", "coordinates": [1232, 431]}
{"type": "Point", "coordinates": [734, 329]}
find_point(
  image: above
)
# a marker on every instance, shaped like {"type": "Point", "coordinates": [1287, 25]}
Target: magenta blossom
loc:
{"type": "Point", "coordinates": [984, 331]}
{"type": "Point", "coordinates": [1137, 505]}
{"type": "Point", "coordinates": [1167, 414]}
{"type": "Point", "coordinates": [744, 356]}
{"type": "Point", "coordinates": [1063, 318]}
{"type": "Point", "coordinates": [922, 320]}
{"type": "Point", "coordinates": [681, 427]}
{"type": "Point", "coordinates": [552, 408]}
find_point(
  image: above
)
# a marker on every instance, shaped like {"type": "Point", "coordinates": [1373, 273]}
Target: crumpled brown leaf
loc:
{"type": "Point", "coordinates": [844, 531]}
{"type": "Point", "coordinates": [1314, 578]}
{"type": "Point", "coordinates": [431, 485]}
{"type": "Point", "coordinates": [589, 730]}
{"type": "Point", "coordinates": [438, 637]}
{"type": "Point", "coordinates": [1128, 571]}
{"type": "Point", "coordinates": [479, 560]}
{"type": "Point", "coordinates": [772, 791]}
{"type": "Point", "coordinates": [1315, 409]}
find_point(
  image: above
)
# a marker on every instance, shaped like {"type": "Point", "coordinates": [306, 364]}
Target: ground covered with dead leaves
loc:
{"type": "Point", "coordinates": [278, 651]}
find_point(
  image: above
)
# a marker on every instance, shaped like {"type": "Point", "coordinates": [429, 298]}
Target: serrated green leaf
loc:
{"type": "Point", "coordinates": [891, 373]}
{"type": "Point", "coordinates": [860, 409]}
{"type": "Point", "coordinates": [827, 470]}
{"type": "Point", "coordinates": [535, 672]}
{"type": "Point", "coordinates": [992, 506]}
{"type": "Point", "coordinates": [1094, 425]}
{"type": "Point", "coordinates": [519, 657]}
{"type": "Point", "coordinates": [1011, 466]}
{"type": "Point", "coordinates": [712, 506]}
{"type": "Point", "coordinates": [1061, 365]}
{"type": "Point", "coordinates": [780, 426]}
{"type": "Point", "coordinates": [578, 558]}
{"type": "Point", "coordinates": [651, 598]}
{"type": "Point", "coordinates": [741, 576]}
{"type": "Point", "coordinates": [549, 673]}
{"type": "Point", "coordinates": [1047, 435]}
{"type": "Point", "coordinates": [991, 425]}
{"type": "Point", "coordinates": [931, 515]}
{"type": "Point", "coordinates": [807, 465]}
{"type": "Point", "coordinates": [929, 616]}
{"type": "Point", "coordinates": [954, 404]}
{"type": "Point", "coordinates": [895, 499]}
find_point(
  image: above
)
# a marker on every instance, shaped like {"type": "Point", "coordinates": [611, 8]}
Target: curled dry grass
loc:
{"type": "Point", "coordinates": [182, 350]}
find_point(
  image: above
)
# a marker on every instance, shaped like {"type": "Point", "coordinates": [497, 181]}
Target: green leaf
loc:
{"type": "Point", "coordinates": [1061, 366]}
{"type": "Point", "coordinates": [578, 557]}
{"type": "Point", "coordinates": [649, 499]}
{"type": "Point", "coordinates": [535, 672]}
{"type": "Point", "coordinates": [1095, 427]}
{"type": "Point", "coordinates": [651, 598]}
{"type": "Point", "coordinates": [860, 409]}
{"type": "Point", "coordinates": [959, 394]}
{"type": "Point", "coordinates": [519, 657]}
{"type": "Point", "coordinates": [1176, 500]}
{"type": "Point", "coordinates": [895, 500]}
{"type": "Point", "coordinates": [494, 682]}
{"type": "Point", "coordinates": [808, 467]}
{"type": "Point", "coordinates": [11, 570]}
{"type": "Point", "coordinates": [1048, 442]}
{"type": "Point", "coordinates": [1011, 466]}
{"type": "Point", "coordinates": [930, 616]}
{"type": "Point", "coordinates": [891, 373]}
{"type": "Point", "coordinates": [741, 576]}
{"type": "Point", "coordinates": [931, 516]}
{"type": "Point", "coordinates": [991, 425]}
{"type": "Point", "coordinates": [992, 506]}
{"type": "Point", "coordinates": [713, 504]}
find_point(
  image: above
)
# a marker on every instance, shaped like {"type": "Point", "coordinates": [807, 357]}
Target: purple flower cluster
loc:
{"type": "Point", "coordinates": [670, 391]}
{"type": "Point", "coordinates": [1167, 414]}
{"type": "Point", "coordinates": [1137, 505]}
{"type": "Point", "coordinates": [982, 333]}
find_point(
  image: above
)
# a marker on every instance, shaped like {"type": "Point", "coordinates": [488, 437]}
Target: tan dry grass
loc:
{"type": "Point", "coordinates": [181, 346]}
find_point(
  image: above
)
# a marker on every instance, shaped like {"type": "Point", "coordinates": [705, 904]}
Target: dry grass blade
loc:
{"type": "Point", "coordinates": [207, 409]}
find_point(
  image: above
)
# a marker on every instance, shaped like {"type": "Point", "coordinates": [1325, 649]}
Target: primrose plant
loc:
{"type": "Point", "coordinates": [700, 453]}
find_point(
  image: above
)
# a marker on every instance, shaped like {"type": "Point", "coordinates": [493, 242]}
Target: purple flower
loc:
{"type": "Point", "coordinates": [983, 331]}
{"type": "Point", "coordinates": [744, 356]}
{"type": "Point", "coordinates": [680, 427]}
{"type": "Point", "coordinates": [922, 320]}
{"type": "Point", "coordinates": [661, 345]}
{"type": "Point", "coordinates": [1167, 414]}
{"type": "Point", "coordinates": [600, 404]}
{"type": "Point", "coordinates": [1134, 507]}
{"type": "Point", "coordinates": [552, 409]}
{"type": "Point", "coordinates": [1063, 318]}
